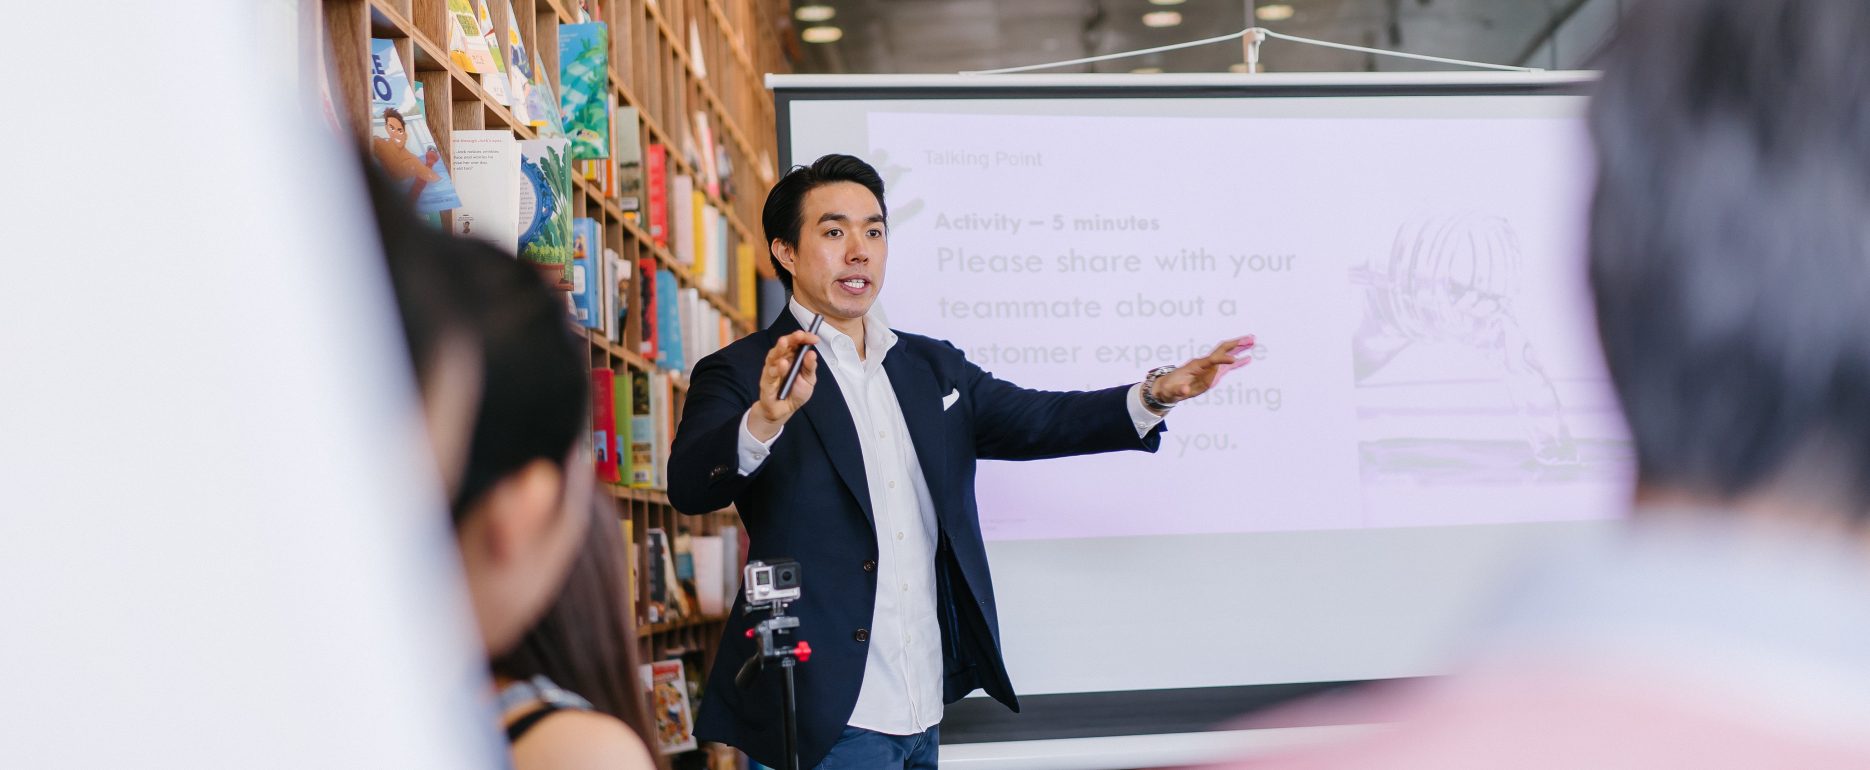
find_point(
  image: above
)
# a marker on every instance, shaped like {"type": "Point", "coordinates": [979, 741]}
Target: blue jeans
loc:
{"type": "Point", "coordinates": [860, 749]}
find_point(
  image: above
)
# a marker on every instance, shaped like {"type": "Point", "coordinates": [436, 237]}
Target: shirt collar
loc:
{"type": "Point", "coordinates": [878, 337]}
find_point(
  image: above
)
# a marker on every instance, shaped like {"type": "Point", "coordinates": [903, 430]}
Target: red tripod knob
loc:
{"type": "Point", "coordinates": [749, 633]}
{"type": "Point", "coordinates": [803, 651]}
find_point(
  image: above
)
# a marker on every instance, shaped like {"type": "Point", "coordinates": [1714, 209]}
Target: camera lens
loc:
{"type": "Point", "coordinates": [785, 576]}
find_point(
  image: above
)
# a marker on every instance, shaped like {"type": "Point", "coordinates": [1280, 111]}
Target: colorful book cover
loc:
{"type": "Point", "coordinates": [655, 178]}
{"type": "Point", "coordinates": [585, 278]}
{"type": "Point", "coordinates": [604, 424]}
{"type": "Point", "coordinates": [668, 699]}
{"type": "Point", "coordinates": [646, 307]}
{"type": "Point", "coordinates": [469, 52]}
{"type": "Point", "coordinates": [542, 102]}
{"type": "Point", "coordinates": [545, 207]}
{"type": "Point", "coordinates": [642, 433]}
{"type": "Point", "coordinates": [622, 414]}
{"type": "Point", "coordinates": [519, 69]}
{"type": "Point", "coordinates": [486, 175]}
{"type": "Point", "coordinates": [496, 82]}
{"type": "Point", "coordinates": [584, 80]}
{"type": "Point", "coordinates": [618, 287]}
{"type": "Point", "coordinates": [660, 575]}
{"type": "Point", "coordinates": [749, 283]}
{"type": "Point", "coordinates": [628, 131]}
{"type": "Point", "coordinates": [399, 134]}
{"type": "Point", "coordinates": [668, 322]}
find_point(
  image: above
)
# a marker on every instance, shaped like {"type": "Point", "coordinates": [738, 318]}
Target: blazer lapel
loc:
{"type": "Point", "coordinates": [830, 417]}
{"type": "Point", "coordinates": [917, 392]}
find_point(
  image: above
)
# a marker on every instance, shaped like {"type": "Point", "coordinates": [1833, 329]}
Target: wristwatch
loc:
{"type": "Point", "coordinates": [1149, 383]}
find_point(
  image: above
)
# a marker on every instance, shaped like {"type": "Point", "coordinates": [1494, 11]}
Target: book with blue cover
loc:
{"type": "Point", "coordinates": [584, 83]}
{"type": "Point", "coordinates": [587, 273]}
{"type": "Point", "coordinates": [400, 140]}
{"type": "Point", "coordinates": [668, 322]}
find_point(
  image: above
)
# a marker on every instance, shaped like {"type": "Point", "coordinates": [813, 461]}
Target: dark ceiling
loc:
{"type": "Point", "coordinates": [945, 36]}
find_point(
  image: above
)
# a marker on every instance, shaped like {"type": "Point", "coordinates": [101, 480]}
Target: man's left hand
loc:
{"type": "Point", "coordinates": [1200, 375]}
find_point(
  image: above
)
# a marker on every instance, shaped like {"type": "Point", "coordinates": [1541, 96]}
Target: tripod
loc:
{"type": "Point", "coordinates": [767, 633]}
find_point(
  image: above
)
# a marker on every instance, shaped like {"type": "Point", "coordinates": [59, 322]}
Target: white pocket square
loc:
{"type": "Point", "coordinates": [948, 400]}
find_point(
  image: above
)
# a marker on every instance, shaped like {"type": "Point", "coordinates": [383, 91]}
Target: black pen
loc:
{"type": "Point", "coordinates": [799, 360]}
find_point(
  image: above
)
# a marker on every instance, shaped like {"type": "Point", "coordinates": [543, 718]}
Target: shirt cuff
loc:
{"type": "Point", "coordinates": [753, 451]}
{"type": "Point", "coordinates": [1140, 416]}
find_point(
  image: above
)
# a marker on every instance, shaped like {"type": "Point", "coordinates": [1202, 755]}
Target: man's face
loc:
{"type": "Point", "coordinates": [837, 266]}
{"type": "Point", "coordinates": [395, 129]}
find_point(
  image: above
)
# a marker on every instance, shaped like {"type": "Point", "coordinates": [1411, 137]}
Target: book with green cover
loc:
{"type": "Point", "coordinates": [584, 82]}
{"type": "Point", "coordinates": [545, 207]}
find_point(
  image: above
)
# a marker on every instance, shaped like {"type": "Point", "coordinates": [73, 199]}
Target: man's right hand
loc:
{"type": "Point", "coordinates": [767, 416]}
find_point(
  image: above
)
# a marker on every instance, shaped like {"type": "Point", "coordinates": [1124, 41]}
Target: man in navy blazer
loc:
{"type": "Point", "coordinates": [873, 491]}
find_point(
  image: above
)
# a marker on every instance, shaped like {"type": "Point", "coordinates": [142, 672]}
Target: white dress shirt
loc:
{"type": "Point", "coordinates": [901, 692]}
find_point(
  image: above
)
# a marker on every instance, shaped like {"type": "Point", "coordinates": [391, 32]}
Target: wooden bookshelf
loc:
{"type": "Point", "coordinates": [656, 47]}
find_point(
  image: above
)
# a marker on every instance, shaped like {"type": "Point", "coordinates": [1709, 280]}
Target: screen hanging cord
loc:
{"type": "Point", "coordinates": [1255, 36]}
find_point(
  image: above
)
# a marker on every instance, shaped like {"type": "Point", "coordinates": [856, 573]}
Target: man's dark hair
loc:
{"type": "Point", "coordinates": [1729, 254]}
{"type": "Point", "coordinates": [392, 112]}
{"type": "Point", "coordinates": [782, 217]}
{"type": "Point", "coordinates": [535, 385]}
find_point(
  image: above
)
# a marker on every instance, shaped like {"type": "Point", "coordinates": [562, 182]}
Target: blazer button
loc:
{"type": "Point", "coordinates": [862, 635]}
{"type": "Point", "coordinates": [870, 566]}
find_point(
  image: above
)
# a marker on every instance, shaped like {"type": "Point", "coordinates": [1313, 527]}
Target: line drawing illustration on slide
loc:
{"type": "Point", "coordinates": [1442, 323]}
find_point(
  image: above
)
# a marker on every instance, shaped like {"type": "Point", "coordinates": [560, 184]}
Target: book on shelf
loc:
{"type": "Point", "coordinates": [584, 81]}
{"type": "Point", "coordinates": [542, 101]}
{"type": "Point", "coordinates": [545, 238]}
{"type": "Point", "coordinates": [709, 553]}
{"type": "Point", "coordinates": [623, 413]}
{"type": "Point", "coordinates": [617, 289]}
{"type": "Point", "coordinates": [682, 218]}
{"type": "Point", "coordinates": [646, 311]}
{"type": "Point", "coordinates": [519, 69]}
{"type": "Point", "coordinates": [467, 45]}
{"type": "Point", "coordinates": [667, 683]}
{"type": "Point", "coordinates": [749, 289]}
{"type": "Point", "coordinates": [487, 179]}
{"type": "Point", "coordinates": [662, 412]}
{"type": "Point", "coordinates": [655, 182]}
{"type": "Point", "coordinates": [704, 133]}
{"type": "Point", "coordinates": [604, 424]}
{"type": "Point", "coordinates": [400, 141]}
{"type": "Point", "coordinates": [684, 547]}
{"type": "Point", "coordinates": [496, 82]}
{"type": "Point", "coordinates": [657, 574]}
{"type": "Point", "coordinates": [627, 149]}
{"type": "Point", "coordinates": [586, 278]}
{"type": "Point", "coordinates": [631, 559]}
{"type": "Point", "coordinates": [669, 350]}
{"type": "Point", "coordinates": [694, 51]}
{"type": "Point", "coordinates": [642, 433]}
{"type": "Point", "coordinates": [734, 559]}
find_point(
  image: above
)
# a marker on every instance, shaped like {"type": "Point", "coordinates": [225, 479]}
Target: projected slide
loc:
{"type": "Point", "coordinates": [1416, 284]}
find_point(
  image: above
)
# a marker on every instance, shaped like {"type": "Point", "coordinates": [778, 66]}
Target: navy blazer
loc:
{"type": "Point", "coordinates": [810, 501]}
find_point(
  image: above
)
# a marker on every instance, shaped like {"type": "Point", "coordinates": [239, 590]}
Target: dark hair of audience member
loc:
{"type": "Point", "coordinates": [535, 384]}
{"type": "Point", "coordinates": [1729, 258]}
{"type": "Point", "coordinates": [586, 642]}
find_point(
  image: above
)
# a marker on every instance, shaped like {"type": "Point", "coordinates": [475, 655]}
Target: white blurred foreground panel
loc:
{"type": "Point", "coordinates": [219, 544]}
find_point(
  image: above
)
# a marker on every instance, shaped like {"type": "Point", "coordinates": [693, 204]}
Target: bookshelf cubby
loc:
{"type": "Point", "coordinates": [669, 59]}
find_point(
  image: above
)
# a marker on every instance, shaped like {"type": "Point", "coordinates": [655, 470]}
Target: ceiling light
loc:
{"type": "Point", "coordinates": [814, 13]}
{"type": "Point", "coordinates": [1146, 71]}
{"type": "Point", "coordinates": [1161, 19]}
{"type": "Point", "coordinates": [822, 34]}
{"type": "Point", "coordinates": [1273, 12]}
{"type": "Point", "coordinates": [1166, 2]}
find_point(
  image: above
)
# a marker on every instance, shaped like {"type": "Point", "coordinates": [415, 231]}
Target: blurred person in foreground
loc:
{"type": "Point", "coordinates": [1729, 626]}
{"type": "Point", "coordinates": [570, 693]}
{"type": "Point", "coordinates": [504, 388]}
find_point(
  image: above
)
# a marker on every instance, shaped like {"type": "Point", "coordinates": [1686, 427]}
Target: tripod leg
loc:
{"type": "Point", "coordinates": [791, 717]}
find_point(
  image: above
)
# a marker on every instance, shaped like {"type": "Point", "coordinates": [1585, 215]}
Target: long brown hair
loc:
{"type": "Point", "coordinates": [586, 643]}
